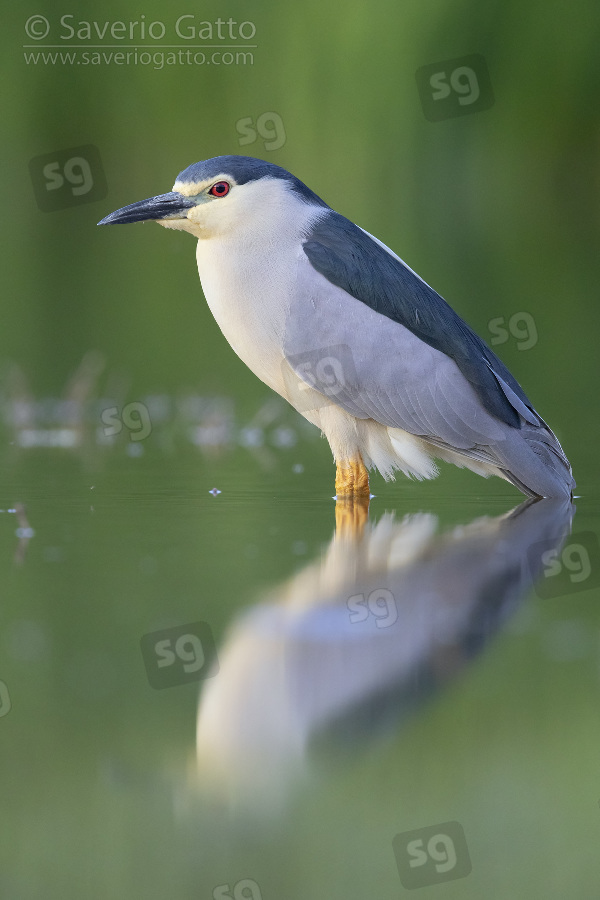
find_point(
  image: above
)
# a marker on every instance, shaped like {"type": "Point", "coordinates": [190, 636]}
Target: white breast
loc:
{"type": "Point", "coordinates": [248, 276]}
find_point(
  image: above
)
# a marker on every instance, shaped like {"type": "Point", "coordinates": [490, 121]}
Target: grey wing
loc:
{"type": "Point", "coordinates": [374, 367]}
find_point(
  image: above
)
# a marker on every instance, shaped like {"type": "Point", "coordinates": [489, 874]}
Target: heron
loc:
{"type": "Point", "coordinates": [335, 322]}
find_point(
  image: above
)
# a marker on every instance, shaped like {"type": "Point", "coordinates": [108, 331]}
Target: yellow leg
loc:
{"type": "Point", "coordinates": [352, 497]}
{"type": "Point", "coordinates": [352, 479]}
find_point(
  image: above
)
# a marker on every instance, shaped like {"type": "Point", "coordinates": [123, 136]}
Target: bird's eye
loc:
{"type": "Point", "coordinates": [220, 189]}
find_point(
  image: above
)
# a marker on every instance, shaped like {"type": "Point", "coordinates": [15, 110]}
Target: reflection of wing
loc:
{"type": "Point", "coordinates": [415, 364]}
{"type": "Point", "coordinates": [364, 634]}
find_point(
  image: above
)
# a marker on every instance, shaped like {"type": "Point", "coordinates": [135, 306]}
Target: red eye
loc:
{"type": "Point", "coordinates": [220, 189]}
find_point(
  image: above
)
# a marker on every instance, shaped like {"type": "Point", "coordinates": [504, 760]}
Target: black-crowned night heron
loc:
{"type": "Point", "coordinates": [335, 322]}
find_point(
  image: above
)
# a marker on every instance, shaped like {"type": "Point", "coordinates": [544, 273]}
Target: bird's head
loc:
{"type": "Point", "coordinates": [217, 196]}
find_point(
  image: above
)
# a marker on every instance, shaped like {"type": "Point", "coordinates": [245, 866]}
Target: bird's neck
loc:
{"type": "Point", "coordinates": [248, 280]}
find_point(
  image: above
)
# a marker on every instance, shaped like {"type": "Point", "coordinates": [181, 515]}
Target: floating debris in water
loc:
{"type": "Point", "coordinates": [24, 532]}
{"type": "Point", "coordinates": [93, 414]}
{"type": "Point", "coordinates": [298, 469]}
{"type": "Point", "coordinates": [252, 437]}
{"type": "Point", "coordinates": [284, 437]}
{"type": "Point", "coordinates": [134, 450]}
{"type": "Point", "coordinates": [48, 437]}
{"type": "Point", "coordinates": [215, 492]}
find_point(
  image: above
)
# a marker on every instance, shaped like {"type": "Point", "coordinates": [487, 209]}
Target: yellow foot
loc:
{"type": "Point", "coordinates": [352, 479]}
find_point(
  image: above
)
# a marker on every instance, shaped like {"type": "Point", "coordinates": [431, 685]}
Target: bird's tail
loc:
{"type": "Point", "coordinates": [532, 458]}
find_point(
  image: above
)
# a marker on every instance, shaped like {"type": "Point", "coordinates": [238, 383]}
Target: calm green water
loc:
{"type": "Point", "coordinates": [345, 702]}
{"type": "Point", "coordinates": [366, 687]}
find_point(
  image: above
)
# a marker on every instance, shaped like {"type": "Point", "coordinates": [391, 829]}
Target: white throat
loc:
{"type": "Point", "coordinates": [248, 273]}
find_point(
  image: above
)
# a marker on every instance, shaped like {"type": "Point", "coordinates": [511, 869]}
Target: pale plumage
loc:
{"type": "Point", "coordinates": [357, 342]}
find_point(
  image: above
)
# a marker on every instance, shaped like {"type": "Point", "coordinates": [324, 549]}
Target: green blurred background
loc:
{"type": "Point", "coordinates": [498, 210]}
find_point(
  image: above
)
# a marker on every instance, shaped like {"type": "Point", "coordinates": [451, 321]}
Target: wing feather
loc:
{"type": "Point", "coordinates": [388, 373]}
{"type": "Point", "coordinates": [350, 258]}
{"type": "Point", "coordinates": [408, 361]}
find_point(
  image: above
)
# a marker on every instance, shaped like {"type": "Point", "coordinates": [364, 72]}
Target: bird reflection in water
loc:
{"type": "Point", "coordinates": [352, 643]}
